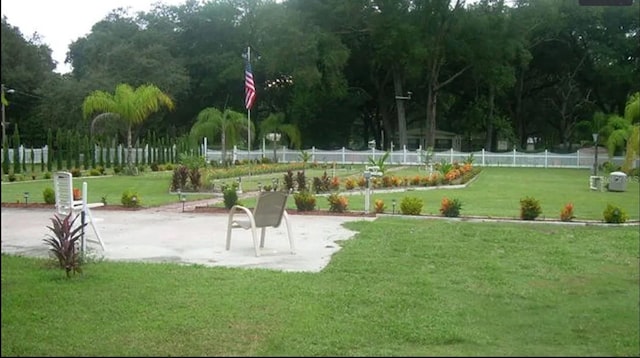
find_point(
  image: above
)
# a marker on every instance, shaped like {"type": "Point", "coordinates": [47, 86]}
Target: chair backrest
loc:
{"type": "Point", "coordinates": [270, 208]}
{"type": "Point", "coordinates": [63, 187]}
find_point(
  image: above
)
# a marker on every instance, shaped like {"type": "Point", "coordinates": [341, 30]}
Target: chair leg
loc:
{"type": "Point", "coordinates": [291, 242]}
{"type": "Point", "coordinates": [255, 238]}
{"type": "Point", "coordinates": [262, 232]}
{"type": "Point", "coordinates": [229, 228]}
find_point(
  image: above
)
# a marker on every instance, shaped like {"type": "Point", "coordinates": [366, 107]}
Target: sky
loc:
{"type": "Point", "coordinates": [61, 22]}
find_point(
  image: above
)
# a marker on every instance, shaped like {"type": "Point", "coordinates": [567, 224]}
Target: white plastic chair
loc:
{"type": "Point", "coordinates": [269, 212]}
{"type": "Point", "coordinates": [63, 187]}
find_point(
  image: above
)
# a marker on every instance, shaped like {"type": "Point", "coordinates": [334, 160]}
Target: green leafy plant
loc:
{"type": "Point", "coordinates": [289, 181]}
{"type": "Point", "coordinates": [63, 242]}
{"type": "Point", "coordinates": [614, 214]}
{"type": "Point", "coordinates": [380, 163]}
{"type": "Point", "coordinates": [130, 199]}
{"type": "Point", "coordinates": [230, 196]}
{"type": "Point", "coordinates": [378, 206]}
{"type": "Point", "coordinates": [305, 201]}
{"type": "Point", "coordinates": [450, 207]}
{"type": "Point", "coordinates": [411, 205]}
{"type": "Point", "coordinates": [49, 196]}
{"type": "Point", "coordinates": [529, 208]}
{"type": "Point", "coordinates": [337, 203]}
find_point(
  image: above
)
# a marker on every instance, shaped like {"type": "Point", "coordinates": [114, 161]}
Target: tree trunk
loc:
{"type": "Point", "coordinates": [402, 122]}
{"type": "Point", "coordinates": [432, 101]}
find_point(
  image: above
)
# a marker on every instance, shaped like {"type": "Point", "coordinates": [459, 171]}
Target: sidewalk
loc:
{"type": "Point", "coordinates": [166, 234]}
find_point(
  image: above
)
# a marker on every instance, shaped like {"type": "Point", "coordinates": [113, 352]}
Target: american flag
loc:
{"type": "Point", "coordinates": [249, 87]}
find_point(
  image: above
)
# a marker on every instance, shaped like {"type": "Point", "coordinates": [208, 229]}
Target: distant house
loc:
{"type": "Point", "coordinates": [417, 138]}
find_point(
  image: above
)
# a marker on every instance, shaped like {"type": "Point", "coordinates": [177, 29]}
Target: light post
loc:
{"type": "Point", "coordinates": [275, 138]}
{"type": "Point", "coordinates": [595, 160]}
{"type": "Point", "coordinates": [4, 123]}
{"type": "Point", "coordinates": [393, 202]}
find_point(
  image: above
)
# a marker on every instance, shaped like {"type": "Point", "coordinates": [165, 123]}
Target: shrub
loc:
{"type": "Point", "coordinates": [94, 172]}
{"type": "Point", "coordinates": [47, 175]}
{"type": "Point", "coordinates": [614, 214]}
{"type": "Point", "coordinates": [230, 196]}
{"type": "Point", "coordinates": [130, 199]}
{"type": "Point", "coordinates": [49, 195]}
{"type": "Point", "coordinates": [76, 172]}
{"type": "Point", "coordinates": [566, 214]}
{"type": "Point", "coordinates": [335, 183]}
{"type": "Point", "coordinates": [450, 207]}
{"type": "Point", "coordinates": [301, 180]}
{"type": "Point", "coordinates": [195, 178]}
{"type": "Point", "coordinates": [378, 206]}
{"type": "Point", "coordinates": [529, 208]}
{"type": "Point", "coordinates": [305, 201]}
{"type": "Point", "coordinates": [154, 167]}
{"type": "Point", "coordinates": [288, 180]}
{"type": "Point", "coordinates": [322, 184]}
{"type": "Point", "coordinates": [411, 205]}
{"type": "Point", "coordinates": [338, 203]}
{"type": "Point", "coordinates": [63, 243]}
{"type": "Point", "coordinates": [179, 179]}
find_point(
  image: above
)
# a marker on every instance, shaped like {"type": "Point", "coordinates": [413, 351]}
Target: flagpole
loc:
{"type": "Point", "coordinates": [249, 119]}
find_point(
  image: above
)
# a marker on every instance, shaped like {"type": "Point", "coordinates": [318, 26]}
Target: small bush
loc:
{"type": "Point", "coordinates": [338, 203]}
{"type": "Point", "coordinates": [12, 177]}
{"type": "Point", "coordinates": [350, 183]}
{"type": "Point", "coordinates": [378, 206]}
{"type": "Point", "coordinates": [130, 199]}
{"type": "Point", "coordinates": [566, 214]}
{"type": "Point", "coordinates": [529, 208]}
{"type": "Point", "coordinates": [411, 205]}
{"type": "Point", "coordinates": [301, 181]}
{"type": "Point", "coordinates": [230, 196]}
{"type": "Point", "coordinates": [47, 175]}
{"type": "Point", "coordinates": [450, 207]}
{"type": "Point", "coordinates": [49, 195]}
{"type": "Point", "coordinates": [76, 172]}
{"type": "Point", "coordinates": [305, 201]}
{"type": "Point", "coordinates": [614, 214]}
{"type": "Point", "coordinates": [94, 172]}
{"type": "Point", "coordinates": [195, 178]}
{"type": "Point", "coordinates": [154, 167]}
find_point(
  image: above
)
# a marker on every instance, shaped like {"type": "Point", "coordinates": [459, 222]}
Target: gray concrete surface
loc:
{"type": "Point", "coordinates": [156, 235]}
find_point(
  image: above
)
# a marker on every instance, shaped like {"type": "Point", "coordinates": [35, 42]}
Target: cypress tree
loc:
{"type": "Point", "coordinates": [59, 151]}
{"type": "Point", "coordinates": [33, 161]}
{"type": "Point", "coordinates": [69, 151]}
{"type": "Point", "coordinates": [16, 152]}
{"type": "Point", "coordinates": [49, 150]}
{"type": "Point", "coordinates": [108, 155]}
{"type": "Point", "coordinates": [42, 160]}
{"type": "Point", "coordinates": [5, 157]}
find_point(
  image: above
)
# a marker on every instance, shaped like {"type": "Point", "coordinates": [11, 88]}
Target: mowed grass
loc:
{"type": "Point", "coordinates": [496, 192]}
{"type": "Point", "coordinates": [400, 287]}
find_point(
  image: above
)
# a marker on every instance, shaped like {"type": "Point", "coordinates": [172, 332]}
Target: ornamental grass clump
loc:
{"type": "Point", "coordinates": [411, 205]}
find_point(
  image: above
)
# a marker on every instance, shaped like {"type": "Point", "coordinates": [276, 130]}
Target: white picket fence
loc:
{"type": "Point", "coordinates": [482, 158]}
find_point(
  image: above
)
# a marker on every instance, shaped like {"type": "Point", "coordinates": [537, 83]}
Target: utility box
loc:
{"type": "Point", "coordinates": [617, 181]}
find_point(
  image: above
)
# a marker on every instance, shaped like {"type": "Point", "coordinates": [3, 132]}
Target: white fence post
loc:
{"type": "Point", "coordinates": [578, 158]}
{"type": "Point", "coordinates": [514, 156]}
{"type": "Point", "coordinates": [546, 158]}
{"type": "Point", "coordinates": [344, 157]}
{"type": "Point", "coordinates": [404, 154]}
{"type": "Point", "coordinates": [313, 154]}
{"type": "Point", "coordinates": [451, 155]}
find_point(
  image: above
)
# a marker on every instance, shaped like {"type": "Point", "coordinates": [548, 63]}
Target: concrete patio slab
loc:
{"type": "Point", "coordinates": [188, 238]}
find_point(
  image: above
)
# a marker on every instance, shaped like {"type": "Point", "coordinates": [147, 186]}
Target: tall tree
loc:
{"type": "Point", "coordinates": [128, 105]}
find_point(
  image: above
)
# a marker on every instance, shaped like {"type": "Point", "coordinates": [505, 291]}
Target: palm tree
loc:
{"type": "Point", "coordinates": [128, 105]}
{"type": "Point", "coordinates": [275, 124]}
{"type": "Point", "coordinates": [228, 125]}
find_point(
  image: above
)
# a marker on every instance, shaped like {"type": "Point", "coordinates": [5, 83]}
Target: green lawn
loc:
{"type": "Point", "coordinates": [497, 192]}
{"type": "Point", "coordinates": [401, 287]}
